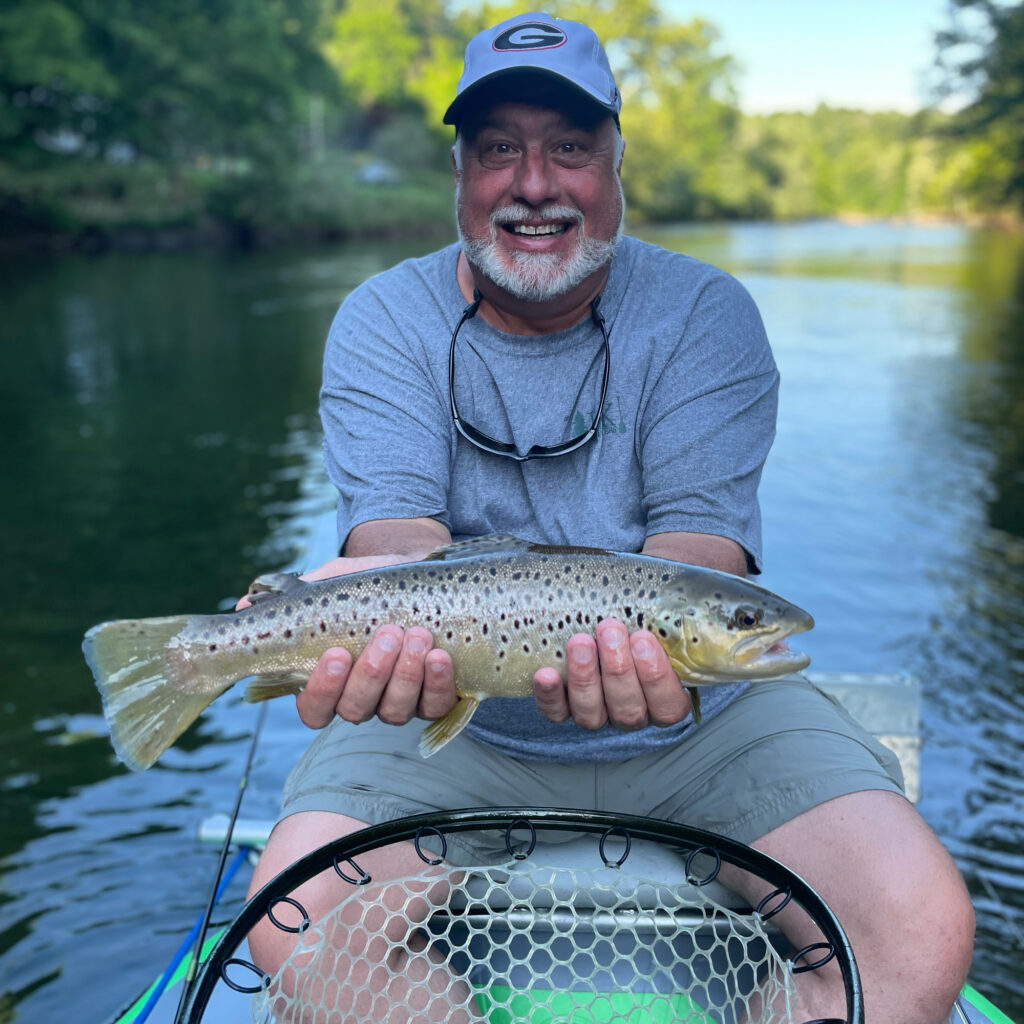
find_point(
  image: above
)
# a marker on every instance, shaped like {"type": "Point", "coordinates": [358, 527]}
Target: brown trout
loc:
{"type": "Point", "coordinates": [502, 608]}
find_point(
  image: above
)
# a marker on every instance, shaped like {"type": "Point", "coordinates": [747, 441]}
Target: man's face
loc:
{"type": "Point", "coordinates": [538, 198]}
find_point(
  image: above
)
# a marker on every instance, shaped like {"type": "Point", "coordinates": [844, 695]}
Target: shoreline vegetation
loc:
{"type": "Point", "coordinates": [241, 124]}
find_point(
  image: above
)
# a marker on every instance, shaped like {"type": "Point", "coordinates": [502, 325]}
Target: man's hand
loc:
{"type": "Point", "coordinates": [399, 676]}
{"type": "Point", "coordinates": [613, 677]}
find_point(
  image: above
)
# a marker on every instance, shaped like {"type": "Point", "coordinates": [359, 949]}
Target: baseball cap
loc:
{"type": "Point", "coordinates": [540, 45]}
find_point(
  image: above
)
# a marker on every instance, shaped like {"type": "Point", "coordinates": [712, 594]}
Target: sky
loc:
{"type": "Point", "coordinates": [795, 54]}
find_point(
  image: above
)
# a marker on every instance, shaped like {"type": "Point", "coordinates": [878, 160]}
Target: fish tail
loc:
{"type": "Point", "coordinates": [147, 683]}
{"type": "Point", "coordinates": [445, 729]}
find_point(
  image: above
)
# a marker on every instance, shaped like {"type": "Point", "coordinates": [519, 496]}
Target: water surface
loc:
{"type": "Point", "coordinates": [161, 447]}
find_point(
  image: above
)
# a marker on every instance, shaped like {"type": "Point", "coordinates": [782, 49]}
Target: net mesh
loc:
{"type": "Point", "coordinates": [529, 942]}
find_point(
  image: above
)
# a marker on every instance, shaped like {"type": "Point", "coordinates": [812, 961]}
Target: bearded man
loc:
{"type": "Point", "coordinates": [551, 378]}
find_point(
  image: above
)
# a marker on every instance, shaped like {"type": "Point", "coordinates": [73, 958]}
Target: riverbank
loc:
{"type": "Point", "coordinates": [144, 207]}
{"type": "Point", "coordinates": [336, 198]}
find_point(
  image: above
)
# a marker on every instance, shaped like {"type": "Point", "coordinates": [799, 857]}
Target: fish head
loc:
{"type": "Point", "coordinates": [721, 628]}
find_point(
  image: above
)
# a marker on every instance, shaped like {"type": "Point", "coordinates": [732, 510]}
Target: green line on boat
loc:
{"type": "Point", "coordinates": [979, 1002]}
{"type": "Point", "coordinates": [135, 1009]}
{"type": "Point", "coordinates": [503, 1005]}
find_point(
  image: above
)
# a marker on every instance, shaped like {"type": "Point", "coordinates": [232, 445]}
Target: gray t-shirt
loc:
{"type": "Point", "coordinates": [687, 424]}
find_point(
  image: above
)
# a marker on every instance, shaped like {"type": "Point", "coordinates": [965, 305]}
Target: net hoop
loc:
{"type": "Point", "coordinates": [687, 840]}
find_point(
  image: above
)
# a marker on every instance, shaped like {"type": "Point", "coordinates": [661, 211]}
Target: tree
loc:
{"type": "Point", "coordinates": [173, 81]}
{"type": "Point", "coordinates": [982, 56]}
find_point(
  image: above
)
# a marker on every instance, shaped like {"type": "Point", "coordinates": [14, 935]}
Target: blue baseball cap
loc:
{"type": "Point", "coordinates": [537, 45]}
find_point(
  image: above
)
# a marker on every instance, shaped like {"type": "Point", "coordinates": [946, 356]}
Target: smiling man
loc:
{"type": "Point", "coordinates": [552, 378]}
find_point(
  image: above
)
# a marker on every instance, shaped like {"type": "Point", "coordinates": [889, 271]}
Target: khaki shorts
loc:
{"type": "Point", "coordinates": [779, 749]}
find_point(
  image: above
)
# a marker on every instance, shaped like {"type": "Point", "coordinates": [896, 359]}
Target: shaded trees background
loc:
{"type": "Point", "coordinates": [282, 117]}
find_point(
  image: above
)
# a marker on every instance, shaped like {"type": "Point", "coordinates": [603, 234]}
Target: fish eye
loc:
{"type": "Point", "coordinates": [746, 617]}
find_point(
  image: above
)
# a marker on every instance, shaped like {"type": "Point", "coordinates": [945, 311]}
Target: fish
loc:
{"type": "Point", "coordinates": [501, 606]}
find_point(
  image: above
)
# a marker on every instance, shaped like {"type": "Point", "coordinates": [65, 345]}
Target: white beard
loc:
{"type": "Point", "coordinates": [537, 276]}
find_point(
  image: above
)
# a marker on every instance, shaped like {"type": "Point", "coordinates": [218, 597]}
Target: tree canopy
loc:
{"type": "Point", "coordinates": [267, 111]}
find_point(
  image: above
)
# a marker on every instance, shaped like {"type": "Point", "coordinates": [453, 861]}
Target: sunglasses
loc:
{"type": "Point", "coordinates": [506, 448]}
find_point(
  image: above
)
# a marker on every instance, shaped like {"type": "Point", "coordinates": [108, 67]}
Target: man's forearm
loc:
{"type": "Point", "coordinates": [413, 538]}
{"type": "Point", "coordinates": [705, 549]}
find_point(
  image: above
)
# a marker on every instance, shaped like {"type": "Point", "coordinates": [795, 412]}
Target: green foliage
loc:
{"type": "Point", "coordinates": [982, 55]}
{"type": "Point", "coordinates": [174, 81]}
{"type": "Point", "coordinates": [259, 114]}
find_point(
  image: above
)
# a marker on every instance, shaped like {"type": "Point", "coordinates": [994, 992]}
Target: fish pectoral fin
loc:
{"type": "Point", "coordinates": [272, 584]}
{"type": "Point", "coordinates": [274, 684]}
{"type": "Point", "coordinates": [492, 544]}
{"type": "Point", "coordinates": [695, 703]}
{"type": "Point", "coordinates": [444, 730]}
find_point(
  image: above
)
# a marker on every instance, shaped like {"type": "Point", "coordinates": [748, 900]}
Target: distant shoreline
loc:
{"type": "Point", "coordinates": [221, 237]}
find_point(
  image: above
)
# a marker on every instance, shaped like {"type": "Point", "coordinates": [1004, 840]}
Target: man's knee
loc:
{"type": "Point", "coordinates": [292, 838]}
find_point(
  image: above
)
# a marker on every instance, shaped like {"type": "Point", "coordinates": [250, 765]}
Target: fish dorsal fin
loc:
{"type": "Point", "coordinates": [565, 549]}
{"type": "Point", "coordinates": [492, 544]}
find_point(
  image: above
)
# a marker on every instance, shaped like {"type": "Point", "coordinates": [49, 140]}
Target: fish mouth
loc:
{"type": "Point", "coordinates": [770, 655]}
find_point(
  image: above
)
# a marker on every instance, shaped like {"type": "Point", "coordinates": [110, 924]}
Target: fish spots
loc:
{"type": "Point", "coordinates": [213, 647]}
{"type": "Point", "coordinates": [287, 634]}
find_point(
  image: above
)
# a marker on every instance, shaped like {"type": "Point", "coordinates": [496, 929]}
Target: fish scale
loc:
{"type": "Point", "coordinates": [500, 606]}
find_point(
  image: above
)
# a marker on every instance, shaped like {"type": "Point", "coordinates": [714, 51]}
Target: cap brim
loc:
{"type": "Point", "coordinates": [536, 86]}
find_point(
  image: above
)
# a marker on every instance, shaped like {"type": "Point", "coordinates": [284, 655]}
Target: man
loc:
{"type": "Point", "coordinates": [458, 392]}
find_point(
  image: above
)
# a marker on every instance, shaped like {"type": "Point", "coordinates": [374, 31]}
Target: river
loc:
{"type": "Point", "coordinates": [161, 447]}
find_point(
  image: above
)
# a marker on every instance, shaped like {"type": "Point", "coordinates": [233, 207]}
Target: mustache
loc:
{"type": "Point", "coordinates": [519, 212]}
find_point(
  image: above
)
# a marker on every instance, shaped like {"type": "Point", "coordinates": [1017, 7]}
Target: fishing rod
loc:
{"type": "Point", "coordinates": [220, 882]}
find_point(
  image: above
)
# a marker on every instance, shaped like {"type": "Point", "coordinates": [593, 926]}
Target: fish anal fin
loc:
{"type": "Point", "coordinates": [277, 684]}
{"type": "Point", "coordinates": [492, 544]}
{"type": "Point", "coordinates": [444, 730]}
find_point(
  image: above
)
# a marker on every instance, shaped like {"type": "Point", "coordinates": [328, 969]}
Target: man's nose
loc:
{"type": "Point", "coordinates": [535, 182]}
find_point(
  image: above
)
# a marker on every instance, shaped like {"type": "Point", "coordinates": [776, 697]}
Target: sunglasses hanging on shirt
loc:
{"type": "Point", "coordinates": [506, 448]}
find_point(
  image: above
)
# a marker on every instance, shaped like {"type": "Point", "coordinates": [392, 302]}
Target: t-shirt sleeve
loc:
{"type": "Point", "coordinates": [709, 423]}
{"type": "Point", "coordinates": [386, 436]}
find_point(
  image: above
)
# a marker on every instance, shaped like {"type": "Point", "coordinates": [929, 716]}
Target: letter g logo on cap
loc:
{"type": "Point", "coordinates": [534, 35]}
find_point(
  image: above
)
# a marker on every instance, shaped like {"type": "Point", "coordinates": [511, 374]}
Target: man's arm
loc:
{"type": "Point", "coordinates": [705, 549]}
{"type": "Point", "coordinates": [626, 679]}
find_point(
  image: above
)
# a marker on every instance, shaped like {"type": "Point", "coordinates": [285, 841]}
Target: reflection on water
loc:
{"type": "Point", "coordinates": [162, 447]}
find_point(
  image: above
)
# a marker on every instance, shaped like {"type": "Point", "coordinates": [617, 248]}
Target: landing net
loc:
{"type": "Point", "coordinates": [573, 932]}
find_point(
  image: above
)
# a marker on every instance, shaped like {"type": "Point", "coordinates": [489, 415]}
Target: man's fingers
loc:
{"type": "Point", "coordinates": [437, 697]}
{"type": "Point", "coordinates": [584, 687]}
{"type": "Point", "coordinates": [667, 701]}
{"type": "Point", "coordinates": [401, 696]}
{"type": "Point", "coordinates": [318, 701]}
{"type": "Point", "coordinates": [370, 674]}
{"type": "Point", "coordinates": [623, 695]}
{"type": "Point", "coordinates": [549, 691]}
